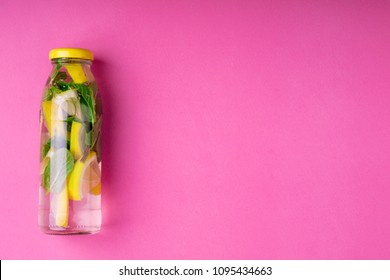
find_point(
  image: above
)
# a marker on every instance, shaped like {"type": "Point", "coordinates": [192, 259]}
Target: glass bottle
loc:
{"type": "Point", "coordinates": [70, 168]}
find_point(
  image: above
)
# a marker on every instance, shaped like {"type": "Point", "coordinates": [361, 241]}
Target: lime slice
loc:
{"type": "Point", "coordinates": [77, 139]}
{"type": "Point", "coordinates": [85, 178]}
{"type": "Point", "coordinates": [76, 72]}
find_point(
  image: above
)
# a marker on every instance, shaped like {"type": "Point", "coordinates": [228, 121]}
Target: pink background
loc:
{"type": "Point", "coordinates": [232, 129]}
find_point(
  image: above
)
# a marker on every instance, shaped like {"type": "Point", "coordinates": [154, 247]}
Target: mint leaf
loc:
{"type": "Point", "coordinates": [57, 77]}
{"type": "Point", "coordinates": [50, 92]}
{"type": "Point", "coordinates": [61, 85]}
{"type": "Point", "coordinates": [69, 162]}
{"type": "Point", "coordinates": [88, 138]}
{"type": "Point", "coordinates": [46, 177]}
{"type": "Point", "coordinates": [87, 101]}
{"type": "Point", "coordinates": [46, 148]}
{"type": "Point", "coordinates": [85, 93]}
{"type": "Point", "coordinates": [61, 76]}
{"type": "Point", "coordinates": [69, 121]}
{"type": "Point", "coordinates": [58, 142]}
{"type": "Point", "coordinates": [55, 72]}
{"type": "Point", "coordinates": [57, 169]}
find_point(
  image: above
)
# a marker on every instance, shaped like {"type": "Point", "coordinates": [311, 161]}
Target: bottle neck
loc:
{"type": "Point", "coordinates": [71, 61]}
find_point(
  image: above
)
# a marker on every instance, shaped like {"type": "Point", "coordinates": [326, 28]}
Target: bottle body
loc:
{"type": "Point", "coordinates": [70, 168]}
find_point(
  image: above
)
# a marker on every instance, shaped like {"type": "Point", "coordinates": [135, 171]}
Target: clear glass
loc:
{"type": "Point", "coordinates": [70, 169]}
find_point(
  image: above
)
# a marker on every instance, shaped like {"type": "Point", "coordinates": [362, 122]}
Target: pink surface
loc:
{"type": "Point", "coordinates": [232, 129]}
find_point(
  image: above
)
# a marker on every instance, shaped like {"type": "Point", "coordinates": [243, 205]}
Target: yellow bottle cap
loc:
{"type": "Point", "coordinates": [71, 53]}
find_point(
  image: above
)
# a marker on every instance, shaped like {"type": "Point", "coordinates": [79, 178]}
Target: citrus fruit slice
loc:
{"type": "Point", "coordinates": [46, 107]}
{"type": "Point", "coordinates": [85, 178]}
{"type": "Point", "coordinates": [76, 72]}
{"type": "Point", "coordinates": [96, 190]}
{"type": "Point", "coordinates": [77, 139]}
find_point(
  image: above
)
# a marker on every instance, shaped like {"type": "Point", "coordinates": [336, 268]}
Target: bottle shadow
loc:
{"type": "Point", "coordinates": [108, 84]}
{"type": "Point", "coordinates": [118, 164]}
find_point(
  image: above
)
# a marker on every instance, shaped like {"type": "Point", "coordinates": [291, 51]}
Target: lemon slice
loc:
{"type": "Point", "coordinates": [96, 190]}
{"type": "Point", "coordinates": [46, 107]}
{"type": "Point", "coordinates": [60, 207]}
{"type": "Point", "coordinates": [76, 72]}
{"type": "Point", "coordinates": [84, 178]}
{"type": "Point", "coordinates": [77, 139]}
